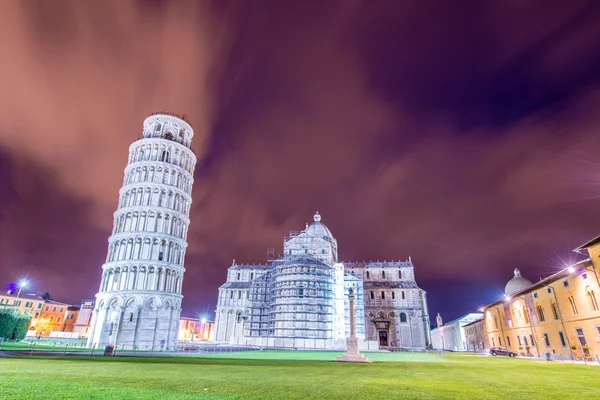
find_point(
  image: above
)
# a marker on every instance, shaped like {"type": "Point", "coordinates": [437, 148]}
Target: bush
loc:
{"type": "Point", "coordinates": [13, 325]}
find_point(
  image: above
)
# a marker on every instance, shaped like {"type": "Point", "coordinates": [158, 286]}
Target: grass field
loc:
{"type": "Point", "coordinates": [294, 375]}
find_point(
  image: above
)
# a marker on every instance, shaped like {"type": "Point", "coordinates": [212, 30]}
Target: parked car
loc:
{"type": "Point", "coordinates": [502, 351]}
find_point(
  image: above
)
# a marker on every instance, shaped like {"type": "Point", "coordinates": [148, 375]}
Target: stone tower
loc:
{"type": "Point", "coordinates": [139, 300]}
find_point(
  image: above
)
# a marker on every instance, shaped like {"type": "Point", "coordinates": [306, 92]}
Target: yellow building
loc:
{"type": "Point", "coordinates": [25, 303]}
{"type": "Point", "coordinates": [195, 330]}
{"type": "Point", "coordinates": [55, 317]}
{"type": "Point", "coordinates": [556, 317]}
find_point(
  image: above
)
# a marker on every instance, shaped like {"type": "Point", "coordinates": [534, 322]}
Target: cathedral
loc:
{"type": "Point", "coordinates": [300, 299]}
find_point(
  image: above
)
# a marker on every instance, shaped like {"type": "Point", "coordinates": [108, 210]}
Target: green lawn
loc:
{"type": "Point", "coordinates": [294, 375]}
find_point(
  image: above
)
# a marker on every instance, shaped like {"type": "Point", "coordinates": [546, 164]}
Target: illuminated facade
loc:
{"type": "Point", "coordinates": [139, 301]}
{"type": "Point", "coordinates": [453, 335]}
{"type": "Point", "coordinates": [559, 316]}
{"type": "Point", "coordinates": [476, 336]}
{"type": "Point", "coordinates": [300, 299]}
{"type": "Point", "coordinates": [195, 330]}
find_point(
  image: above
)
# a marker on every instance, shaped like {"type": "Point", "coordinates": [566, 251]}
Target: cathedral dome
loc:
{"type": "Point", "coordinates": [516, 284]}
{"type": "Point", "coordinates": [318, 229]}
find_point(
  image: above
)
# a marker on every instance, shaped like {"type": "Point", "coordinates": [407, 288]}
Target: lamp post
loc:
{"type": "Point", "coordinates": [203, 322]}
{"type": "Point", "coordinates": [22, 284]}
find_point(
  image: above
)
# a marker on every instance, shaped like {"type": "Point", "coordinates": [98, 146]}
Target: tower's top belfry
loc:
{"type": "Point", "coordinates": [168, 126]}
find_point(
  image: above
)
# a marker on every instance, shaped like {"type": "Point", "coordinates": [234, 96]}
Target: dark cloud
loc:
{"type": "Point", "coordinates": [461, 136]}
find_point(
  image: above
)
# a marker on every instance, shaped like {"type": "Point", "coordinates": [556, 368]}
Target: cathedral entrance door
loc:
{"type": "Point", "coordinates": [383, 338]}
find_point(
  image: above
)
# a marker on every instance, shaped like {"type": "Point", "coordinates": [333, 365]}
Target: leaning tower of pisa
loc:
{"type": "Point", "coordinates": [139, 301]}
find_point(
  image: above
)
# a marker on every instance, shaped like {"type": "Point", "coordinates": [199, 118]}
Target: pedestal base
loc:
{"type": "Point", "coordinates": [352, 354]}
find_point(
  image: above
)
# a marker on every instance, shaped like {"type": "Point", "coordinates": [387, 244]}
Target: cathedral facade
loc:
{"type": "Point", "coordinates": [138, 304]}
{"type": "Point", "coordinates": [300, 299]}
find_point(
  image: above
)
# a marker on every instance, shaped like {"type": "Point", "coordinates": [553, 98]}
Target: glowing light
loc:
{"type": "Point", "coordinates": [507, 297]}
{"type": "Point", "coordinates": [571, 270]}
{"type": "Point", "coordinates": [23, 283]}
{"type": "Point", "coordinates": [481, 309]}
{"type": "Point", "coordinates": [203, 320]}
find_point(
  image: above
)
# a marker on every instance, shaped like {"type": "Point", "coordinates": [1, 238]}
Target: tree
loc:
{"type": "Point", "coordinates": [46, 296]}
{"type": "Point", "coordinates": [13, 325]}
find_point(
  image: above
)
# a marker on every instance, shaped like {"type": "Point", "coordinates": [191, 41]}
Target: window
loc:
{"type": "Point", "coordinates": [239, 317]}
{"type": "Point", "coordinates": [367, 274]}
{"type": "Point", "coordinates": [393, 295]}
{"type": "Point", "coordinates": [525, 340]}
{"type": "Point", "coordinates": [493, 343]}
{"type": "Point", "coordinates": [566, 283]}
{"type": "Point", "coordinates": [40, 305]}
{"type": "Point", "coordinates": [323, 251]}
{"type": "Point", "coordinates": [240, 294]}
{"type": "Point", "coordinates": [403, 296]}
{"type": "Point", "coordinates": [508, 341]}
{"type": "Point", "coordinates": [555, 310]}
{"type": "Point", "coordinates": [251, 275]}
{"type": "Point", "coordinates": [496, 322]}
{"type": "Point", "coordinates": [562, 339]}
{"type": "Point", "coordinates": [231, 295]}
{"type": "Point", "coordinates": [28, 304]}
{"type": "Point", "coordinates": [584, 276]}
{"type": "Point", "coordinates": [301, 292]}
{"type": "Point", "coordinates": [160, 255]}
{"type": "Point", "coordinates": [58, 319]}
{"type": "Point", "coordinates": [402, 317]}
{"type": "Point", "coordinates": [372, 295]}
{"type": "Point", "coordinates": [383, 274]}
{"type": "Point", "coordinates": [238, 276]}
{"type": "Point", "coordinates": [593, 300]}
{"type": "Point", "coordinates": [383, 295]}
{"type": "Point", "coordinates": [540, 311]}
{"type": "Point", "coordinates": [165, 156]}
{"type": "Point", "coordinates": [399, 274]}
{"type": "Point", "coordinates": [519, 340]}
{"type": "Point", "coordinates": [546, 339]}
{"type": "Point", "coordinates": [531, 339]}
{"type": "Point", "coordinates": [47, 308]}
{"type": "Point", "coordinates": [535, 295]}
{"type": "Point", "coordinates": [61, 309]}
{"type": "Point", "coordinates": [525, 315]}
{"type": "Point", "coordinates": [549, 290]}
{"type": "Point", "coordinates": [17, 302]}
{"type": "Point", "coordinates": [499, 341]}
{"type": "Point", "coordinates": [52, 318]}
{"type": "Point", "coordinates": [581, 336]}
{"type": "Point", "coordinates": [573, 305]}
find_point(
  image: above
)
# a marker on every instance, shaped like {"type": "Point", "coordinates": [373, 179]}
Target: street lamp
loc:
{"type": "Point", "coordinates": [22, 284]}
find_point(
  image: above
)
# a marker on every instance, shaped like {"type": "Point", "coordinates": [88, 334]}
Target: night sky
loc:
{"type": "Point", "coordinates": [464, 134]}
